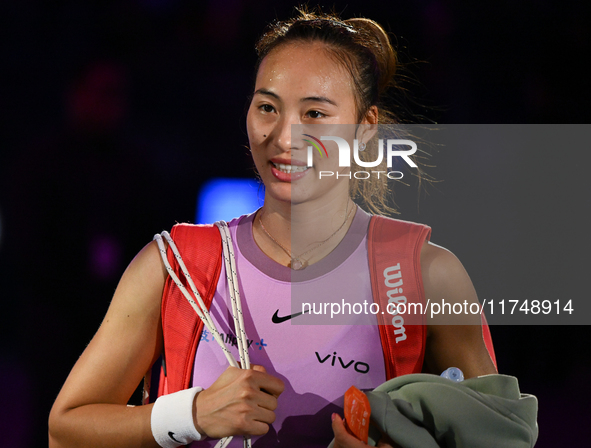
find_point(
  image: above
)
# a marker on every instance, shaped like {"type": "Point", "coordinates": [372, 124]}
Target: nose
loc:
{"type": "Point", "coordinates": [284, 134]}
{"type": "Point", "coordinates": [288, 136]}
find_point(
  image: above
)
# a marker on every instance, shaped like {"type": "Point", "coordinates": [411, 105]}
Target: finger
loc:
{"type": "Point", "coordinates": [268, 383]}
{"type": "Point", "coordinates": [263, 416]}
{"type": "Point", "coordinates": [257, 428]}
{"type": "Point", "coordinates": [342, 438]}
{"type": "Point", "coordinates": [338, 427]}
{"type": "Point", "coordinates": [266, 401]}
{"type": "Point", "coordinates": [258, 368]}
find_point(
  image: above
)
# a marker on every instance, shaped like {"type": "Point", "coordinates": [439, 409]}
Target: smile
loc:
{"type": "Point", "coordinates": [288, 169]}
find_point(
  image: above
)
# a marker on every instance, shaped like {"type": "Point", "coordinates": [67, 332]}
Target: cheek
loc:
{"type": "Point", "coordinates": [257, 128]}
{"type": "Point", "coordinates": [255, 140]}
{"type": "Point", "coordinates": [250, 126]}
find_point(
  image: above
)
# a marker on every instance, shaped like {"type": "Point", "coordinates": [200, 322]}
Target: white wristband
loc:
{"type": "Point", "coordinates": [172, 419]}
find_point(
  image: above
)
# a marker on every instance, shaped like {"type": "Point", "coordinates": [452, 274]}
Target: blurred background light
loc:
{"type": "Point", "coordinates": [227, 198]}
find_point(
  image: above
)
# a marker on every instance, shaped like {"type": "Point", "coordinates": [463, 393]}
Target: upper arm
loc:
{"type": "Point", "coordinates": [453, 340]}
{"type": "Point", "coordinates": [128, 341]}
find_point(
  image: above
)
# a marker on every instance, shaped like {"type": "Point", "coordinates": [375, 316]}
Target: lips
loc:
{"type": "Point", "coordinates": [288, 172]}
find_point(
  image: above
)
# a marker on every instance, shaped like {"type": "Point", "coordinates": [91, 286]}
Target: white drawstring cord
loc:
{"type": "Point", "coordinates": [223, 443]}
{"type": "Point", "coordinates": [234, 290]}
{"type": "Point", "coordinates": [201, 309]}
{"type": "Point", "coordinates": [230, 261]}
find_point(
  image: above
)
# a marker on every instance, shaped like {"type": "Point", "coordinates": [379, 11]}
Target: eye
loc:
{"type": "Point", "coordinates": [267, 108]}
{"type": "Point", "coordinates": [315, 114]}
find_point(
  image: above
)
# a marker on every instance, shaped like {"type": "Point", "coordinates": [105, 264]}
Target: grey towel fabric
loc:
{"type": "Point", "coordinates": [427, 411]}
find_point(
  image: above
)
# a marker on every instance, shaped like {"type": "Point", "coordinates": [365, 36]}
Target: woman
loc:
{"type": "Point", "coordinates": [312, 70]}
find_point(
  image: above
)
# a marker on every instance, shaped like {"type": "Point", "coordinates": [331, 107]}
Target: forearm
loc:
{"type": "Point", "coordinates": [102, 425]}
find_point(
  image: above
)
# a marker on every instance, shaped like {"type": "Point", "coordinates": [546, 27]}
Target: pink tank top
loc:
{"type": "Point", "coordinates": [317, 363]}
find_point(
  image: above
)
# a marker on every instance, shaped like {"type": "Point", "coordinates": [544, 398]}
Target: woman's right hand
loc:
{"type": "Point", "coordinates": [239, 402]}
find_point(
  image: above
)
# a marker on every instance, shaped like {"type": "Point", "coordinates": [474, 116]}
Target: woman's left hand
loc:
{"type": "Point", "coordinates": [343, 439]}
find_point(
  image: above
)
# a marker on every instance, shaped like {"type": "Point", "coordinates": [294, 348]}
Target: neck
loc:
{"type": "Point", "coordinates": [310, 230]}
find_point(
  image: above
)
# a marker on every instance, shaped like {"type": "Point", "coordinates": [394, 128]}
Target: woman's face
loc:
{"type": "Point", "coordinates": [298, 83]}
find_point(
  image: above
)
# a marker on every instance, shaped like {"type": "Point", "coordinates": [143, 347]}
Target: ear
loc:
{"type": "Point", "coordinates": [371, 117]}
{"type": "Point", "coordinates": [369, 125]}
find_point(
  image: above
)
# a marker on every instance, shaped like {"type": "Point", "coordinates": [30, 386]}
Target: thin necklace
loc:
{"type": "Point", "coordinates": [296, 262]}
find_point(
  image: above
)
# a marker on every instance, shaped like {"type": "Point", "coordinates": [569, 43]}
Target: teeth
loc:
{"type": "Point", "coordinates": [290, 168]}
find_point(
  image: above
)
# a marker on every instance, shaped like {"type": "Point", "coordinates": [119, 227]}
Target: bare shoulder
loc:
{"type": "Point", "coordinates": [444, 278]}
{"type": "Point", "coordinates": [141, 285]}
{"type": "Point", "coordinates": [440, 267]}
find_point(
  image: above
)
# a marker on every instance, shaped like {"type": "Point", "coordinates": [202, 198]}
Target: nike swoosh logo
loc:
{"type": "Point", "coordinates": [171, 435]}
{"type": "Point", "coordinates": [277, 320]}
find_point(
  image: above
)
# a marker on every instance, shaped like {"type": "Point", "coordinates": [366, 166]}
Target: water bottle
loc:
{"type": "Point", "coordinates": [454, 374]}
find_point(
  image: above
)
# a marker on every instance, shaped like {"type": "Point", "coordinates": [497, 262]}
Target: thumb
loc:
{"type": "Point", "coordinates": [338, 427]}
{"type": "Point", "coordinates": [258, 368]}
{"type": "Point", "coordinates": [342, 438]}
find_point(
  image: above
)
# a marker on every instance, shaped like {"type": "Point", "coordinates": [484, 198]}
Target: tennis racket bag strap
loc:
{"type": "Point", "coordinates": [394, 249]}
{"type": "Point", "coordinates": [200, 247]}
{"type": "Point", "coordinates": [488, 339]}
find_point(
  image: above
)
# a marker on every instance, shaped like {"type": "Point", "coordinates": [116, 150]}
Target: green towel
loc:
{"type": "Point", "coordinates": [427, 411]}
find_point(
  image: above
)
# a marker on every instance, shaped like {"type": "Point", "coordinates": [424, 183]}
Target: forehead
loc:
{"type": "Point", "coordinates": [304, 68]}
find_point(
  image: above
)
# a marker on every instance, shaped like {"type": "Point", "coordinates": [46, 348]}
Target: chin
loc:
{"type": "Point", "coordinates": [279, 191]}
{"type": "Point", "coordinates": [290, 194]}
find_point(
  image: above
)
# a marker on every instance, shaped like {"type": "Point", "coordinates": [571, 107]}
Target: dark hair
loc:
{"type": "Point", "coordinates": [364, 49]}
{"type": "Point", "coordinates": [361, 45]}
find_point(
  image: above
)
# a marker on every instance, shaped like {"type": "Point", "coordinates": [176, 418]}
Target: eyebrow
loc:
{"type": "Point", "coordinates": [320, 99]}
{"type": "Point", "coordinates": [267, 92]}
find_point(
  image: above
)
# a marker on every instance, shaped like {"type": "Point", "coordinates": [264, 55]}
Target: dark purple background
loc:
{"type": "Point", "coordinates": [115, 112]}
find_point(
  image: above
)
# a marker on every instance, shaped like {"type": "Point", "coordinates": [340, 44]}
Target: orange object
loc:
{"type": "Point", "coordinates": [357, 413]}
